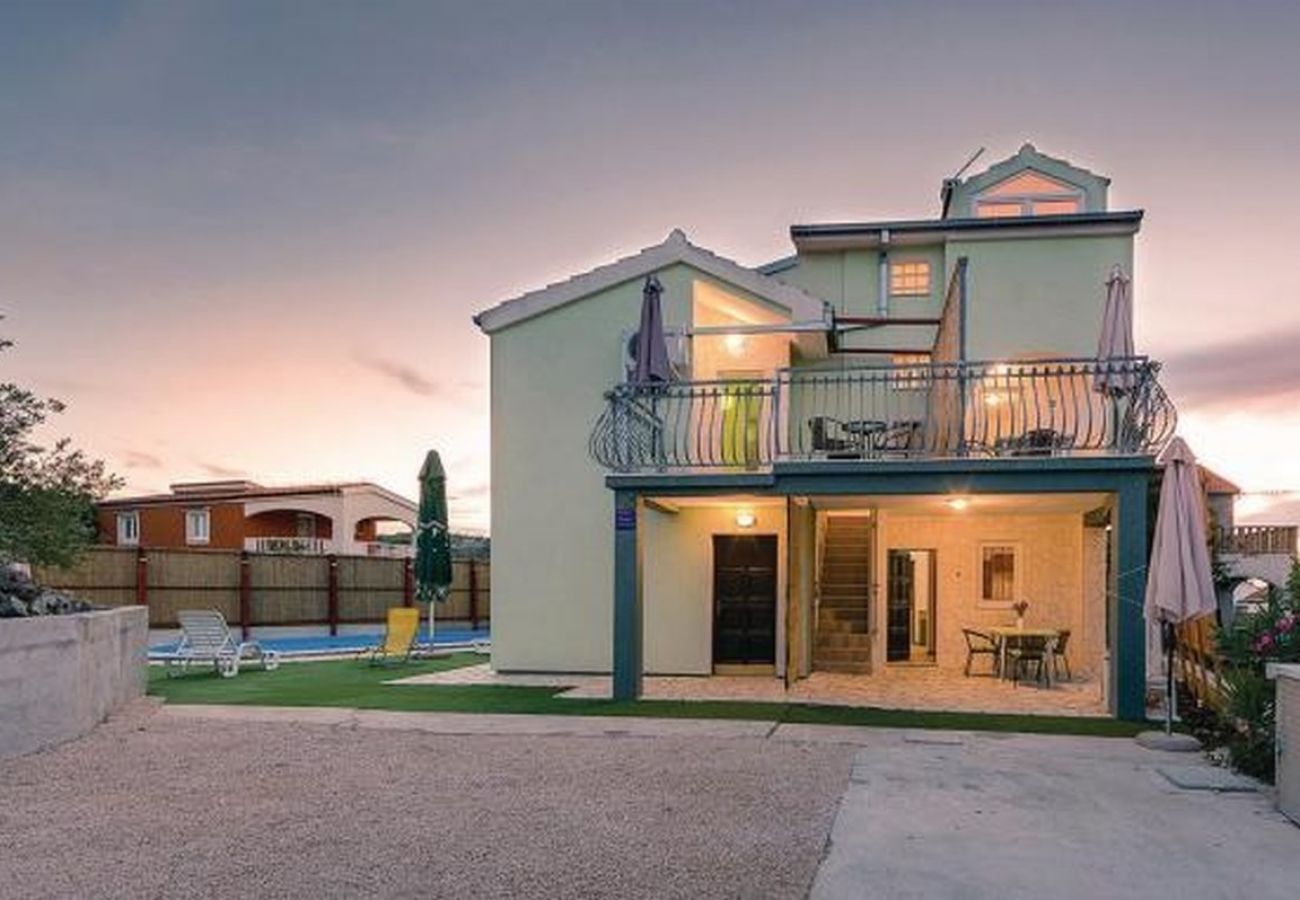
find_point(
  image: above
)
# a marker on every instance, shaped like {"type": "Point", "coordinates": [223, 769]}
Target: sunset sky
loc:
{"type": "Point", "coordinates": [246, 239]}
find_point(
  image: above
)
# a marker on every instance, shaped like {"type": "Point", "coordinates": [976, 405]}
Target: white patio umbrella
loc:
{"type": "Point", "coordinates": [1180, 583]}
{"type": "Point", "coordinates": [1113, 378]}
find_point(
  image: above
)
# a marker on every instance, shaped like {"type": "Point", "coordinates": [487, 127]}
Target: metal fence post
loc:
{"type": "Point", "coordinates": [473, 595]}
{"type": "Point", "coordinates": [333, 596]}
{"type": "Point", "coordinates": [245, 594]}
{"type": "Point", "coordinates": [142, 581]}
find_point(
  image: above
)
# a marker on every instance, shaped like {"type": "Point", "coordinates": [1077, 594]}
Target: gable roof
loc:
{"type": "Point", "coordinates": [804, 308]}
{"type": "Point", "coordinates": [1214, 483]}
{"type": "Point", "coordinates": [957, 194]}
{"type": "Point", "coordinates": [236, 491]}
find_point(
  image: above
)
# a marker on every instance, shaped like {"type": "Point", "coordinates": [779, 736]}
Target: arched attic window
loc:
{"type": "Point", "coordinates": [1028, 193]}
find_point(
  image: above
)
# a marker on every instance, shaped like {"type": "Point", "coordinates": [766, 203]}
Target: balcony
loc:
{"type": "Point", "coordinates": [1255, 540]}
{"type": "Point", "coordinates": [298, 546]}
{"type": "Point", "coordinates": [1058, 407]}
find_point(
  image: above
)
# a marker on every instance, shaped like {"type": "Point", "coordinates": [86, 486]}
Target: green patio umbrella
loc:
{"type": "Point", "coordinates": [432, 538]}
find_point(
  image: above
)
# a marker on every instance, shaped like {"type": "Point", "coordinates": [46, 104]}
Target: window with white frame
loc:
{"type": "Point", "coordinates": [1000, 573]}
{"type": "Point", "coordinates": [128, 528]}
{"type": "Point", "coordinates": [1028, 193]}
{"type": "Point", "coordinates": [909, 278]}
{"type": "Point", "coordinates": [197, 526]}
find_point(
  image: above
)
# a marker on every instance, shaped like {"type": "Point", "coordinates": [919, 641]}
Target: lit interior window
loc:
{"type": "Point", "coordinates": [1028, 193]}
{"type": "Point", "coordinates": [909, 279]}
{"type": "Point", "coordinates": [999, 574]}
{"type": "Point", "coordinates": [912, 370]}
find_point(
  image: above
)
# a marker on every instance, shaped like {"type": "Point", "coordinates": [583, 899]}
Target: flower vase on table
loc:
{"type": "Point", "coordinates": [1020, 608]}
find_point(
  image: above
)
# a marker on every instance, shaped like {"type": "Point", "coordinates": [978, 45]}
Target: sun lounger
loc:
{"type": "Point", "coordinates": [206, 639]}
{"type": "Point", "coordinates": [399, 636]}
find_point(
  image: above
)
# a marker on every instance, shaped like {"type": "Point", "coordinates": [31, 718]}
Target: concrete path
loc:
{"type": "Point", "coordinates": [310, 802]}
{"type": "Point", "coordinates": [526, 725]}
{"type": "Point", "coordinates": [991, 816]}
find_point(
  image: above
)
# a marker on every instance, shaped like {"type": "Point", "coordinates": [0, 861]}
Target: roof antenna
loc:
{"type": "Point", "coordinates": [970, 162]}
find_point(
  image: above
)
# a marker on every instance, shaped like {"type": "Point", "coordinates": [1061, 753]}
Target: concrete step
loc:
{"type": "Point", "coordinates": [842, 668]}
{"type": "Point", "coordinates": [833, 627]}
{"type": "Point", "coordinates": [822, 659]}
{"type": "Point", "coordinates": [845, 613]}
{"type": "Point", "coordinates": [842, 640]}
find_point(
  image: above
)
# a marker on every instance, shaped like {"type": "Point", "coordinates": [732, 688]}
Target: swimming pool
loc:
{"type": "Point", "coordinates": [342, 644]}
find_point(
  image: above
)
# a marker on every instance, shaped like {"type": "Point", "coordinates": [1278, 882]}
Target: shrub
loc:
{"type": "Point", "coordinates": [1269, 634]}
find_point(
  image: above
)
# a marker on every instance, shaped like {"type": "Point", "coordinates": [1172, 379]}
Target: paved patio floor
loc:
{"type": "Point", "coordinates": [910, 687]}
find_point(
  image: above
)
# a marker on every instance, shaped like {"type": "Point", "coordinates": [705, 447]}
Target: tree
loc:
{"type": "Point", "coordinates": [47, 493]}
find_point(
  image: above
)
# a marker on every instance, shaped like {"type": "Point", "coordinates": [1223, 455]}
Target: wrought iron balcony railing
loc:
{"type": "Point", "coordinates": [926, 411]}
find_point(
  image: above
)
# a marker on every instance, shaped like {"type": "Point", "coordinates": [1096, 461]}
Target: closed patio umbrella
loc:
{"type": "Point", "coordinates": [651, 345]}
{"type": "Point", "coordinates": [1180, 584]}
{"type": "Point", "coordinates": [432, 538]}
{"type": "Point", "coordinates": [1114, 378]}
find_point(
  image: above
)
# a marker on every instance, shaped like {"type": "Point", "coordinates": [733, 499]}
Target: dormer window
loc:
{"type": "Point", "coordinates": [1028, 193]}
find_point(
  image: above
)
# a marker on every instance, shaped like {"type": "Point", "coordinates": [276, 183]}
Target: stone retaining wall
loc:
{"type": "Point", "coordinates": [60, 676]}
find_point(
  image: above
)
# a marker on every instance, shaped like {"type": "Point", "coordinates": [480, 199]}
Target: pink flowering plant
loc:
{"type": "Point", "coordinates": [1269, 633]}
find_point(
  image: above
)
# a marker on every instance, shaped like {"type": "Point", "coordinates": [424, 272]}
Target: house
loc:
{"type": "Point", "coordinates": [242, 515]}
{"type": "Point", "coordinates": [1256, 555]}
{"type": "Point", "coordinates": [890, 436]}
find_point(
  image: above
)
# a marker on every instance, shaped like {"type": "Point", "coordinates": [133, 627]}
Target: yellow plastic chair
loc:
{"type": "Point", "coordinates": [399, 636]}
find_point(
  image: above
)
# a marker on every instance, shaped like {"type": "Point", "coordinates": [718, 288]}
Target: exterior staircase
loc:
{"type": "Point", "coordinates": [843, 639]}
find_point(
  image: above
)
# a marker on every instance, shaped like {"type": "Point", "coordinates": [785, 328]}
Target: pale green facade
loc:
{"type": "Point", "coordinates": [1034, 289]}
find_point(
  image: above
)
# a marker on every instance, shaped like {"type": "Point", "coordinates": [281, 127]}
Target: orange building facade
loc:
{"type": "Point", "coordinates": [242, 515]}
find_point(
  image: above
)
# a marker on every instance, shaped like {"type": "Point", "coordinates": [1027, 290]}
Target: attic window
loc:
{"type": "Point", "coordinates": [1028, 193]}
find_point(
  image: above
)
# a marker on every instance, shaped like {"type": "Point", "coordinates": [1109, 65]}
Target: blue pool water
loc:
{"type": "Point", "coordinates": [345, 643]}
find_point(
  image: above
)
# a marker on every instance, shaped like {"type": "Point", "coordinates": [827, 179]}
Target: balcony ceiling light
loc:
{"type": "Point", "coordinates": [735, 343]}
{"type": "Point", "coordinates": [746, 519]}
{"type": "Point", "coordinates": [958, 503]}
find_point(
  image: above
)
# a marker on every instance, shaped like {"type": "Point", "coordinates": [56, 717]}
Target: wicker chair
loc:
{"type": "Point", "coordinates": [980, 644]}
{"type": "Point", "coordinates": [1058, 656]}
{"type": "Point", "coordinates": [1025, 651]}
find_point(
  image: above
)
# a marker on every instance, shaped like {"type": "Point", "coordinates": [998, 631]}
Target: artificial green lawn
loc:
{"type": "Point", "coordinates": [350, 683]}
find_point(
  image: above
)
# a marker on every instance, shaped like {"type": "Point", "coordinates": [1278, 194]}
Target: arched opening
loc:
{"type": "Point", "coordinates": [1250, 595]}
{"type": "Point", "coordinates": [288, 531]}
{"type": "Point", "coordinates": [384, 536]}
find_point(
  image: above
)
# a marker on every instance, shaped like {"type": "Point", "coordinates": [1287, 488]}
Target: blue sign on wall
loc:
{"type": "Point", "coordinates": [625, 519]}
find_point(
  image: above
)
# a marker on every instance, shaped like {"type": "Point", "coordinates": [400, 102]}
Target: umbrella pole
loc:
{"type": "Point", "coordinates": [1166, 634]}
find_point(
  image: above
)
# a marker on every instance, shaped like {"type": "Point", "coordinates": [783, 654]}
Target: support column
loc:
{"type": "Point", "coordinates": [627, 598]}
{"type": "Point", "coordinates": [1127, 623]}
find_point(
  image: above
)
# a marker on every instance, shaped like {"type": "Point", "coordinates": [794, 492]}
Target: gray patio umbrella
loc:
{"type": "Point", "coordinates": [1116, 341]}
{"type": "Point", "coordinates": [651, 346]}
{"type": "Point", "coordinates": [432, 538]}
{"type": "Point", "coordinates": [1180, 584]}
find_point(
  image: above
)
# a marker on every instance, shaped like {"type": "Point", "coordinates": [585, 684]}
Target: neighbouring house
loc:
{"type": "Point", "coordinates": [242, 515]}
{"type": "Point", "coordinates": [1260, 555]}
{"type": "Point", "coordinates": [892, 435]}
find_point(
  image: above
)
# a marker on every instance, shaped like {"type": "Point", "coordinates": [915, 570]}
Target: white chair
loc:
{"type": "Point", "coordinates": [206, 638]}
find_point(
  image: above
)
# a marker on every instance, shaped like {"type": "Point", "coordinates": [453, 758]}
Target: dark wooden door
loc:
{"type": "Point", "coordinates": [744, 599]}
{"type": "Point", "coordinates": [898, 618]}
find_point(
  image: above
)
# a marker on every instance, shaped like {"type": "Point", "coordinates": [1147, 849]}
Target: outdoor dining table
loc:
{"type": "Point", "coordinates": [1002, 632]}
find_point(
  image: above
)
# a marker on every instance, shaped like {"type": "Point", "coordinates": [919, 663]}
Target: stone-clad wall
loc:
{"type": "Point", "coordinates": [60, 676]}
{"type": "Point", "coordinates": [1063, 577]}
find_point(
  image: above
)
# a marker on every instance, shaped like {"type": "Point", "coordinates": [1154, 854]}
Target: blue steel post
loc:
{"type": "Point", "coordinates": [627, 598]}
{"type": "Point", "coordinates": [1128, 625]}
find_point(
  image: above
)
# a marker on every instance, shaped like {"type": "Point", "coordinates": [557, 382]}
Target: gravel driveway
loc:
{"type": "Point", "coordinates": [150, 806]}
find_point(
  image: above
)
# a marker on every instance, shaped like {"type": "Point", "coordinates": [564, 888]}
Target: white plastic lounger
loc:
{"type": "Point", "coordinates": [205, 638]}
